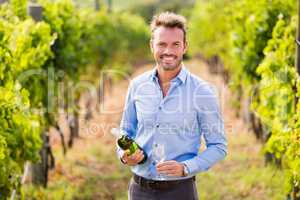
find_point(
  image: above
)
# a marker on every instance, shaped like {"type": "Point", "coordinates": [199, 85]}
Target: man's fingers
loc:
{"type": "Point", "coordinates": [126, 153]}
{"type": "Point", "coordinates": [173, 174]}
{"type": "Point", "coordinates": [134, 158]}
{"type": "Point", "coordinates": [169, 171]}
{"type": "Point", "coordinates": [165, 167]}
{"type": "Point", "coordinates": [166, 163]}
{"type": "Point", "coordinates": [140, 157]}
{"type": "Point", "coordinates": [135, 155]}
{"type": "Point", "coordinates": [170, 168]}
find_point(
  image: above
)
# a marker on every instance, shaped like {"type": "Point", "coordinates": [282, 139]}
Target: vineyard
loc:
{"type": "Point", "coordinates": [64, 71]}
{"type": "Point", "coordinates": [37, 56]}
{"type": "Point", "coordinates": [255, 42]}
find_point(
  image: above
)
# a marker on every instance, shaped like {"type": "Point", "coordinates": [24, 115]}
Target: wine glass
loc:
{"type": "Point", "coordinates": [159, 156]}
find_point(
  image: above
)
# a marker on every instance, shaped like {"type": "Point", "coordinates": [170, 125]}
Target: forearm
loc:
{"type": "Point", "coordinates": [204, 161]}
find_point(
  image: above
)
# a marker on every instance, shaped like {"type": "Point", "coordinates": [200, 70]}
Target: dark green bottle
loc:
{"type": "Point", "coordinates": [126, 143]}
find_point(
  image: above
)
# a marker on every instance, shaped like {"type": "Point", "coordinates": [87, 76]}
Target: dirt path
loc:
{"type": "Point", "coordinates": [91, 170]}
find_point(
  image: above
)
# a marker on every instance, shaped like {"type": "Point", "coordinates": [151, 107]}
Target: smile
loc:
{"type": "Point", "coordinates": [168, 58]}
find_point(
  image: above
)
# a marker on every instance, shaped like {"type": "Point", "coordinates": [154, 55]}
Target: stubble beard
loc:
{"type": "Point", "coordinates": [168, 67]}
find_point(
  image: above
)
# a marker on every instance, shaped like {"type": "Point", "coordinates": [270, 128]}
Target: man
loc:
{"type": "Point", "coordinates": [170, 108]}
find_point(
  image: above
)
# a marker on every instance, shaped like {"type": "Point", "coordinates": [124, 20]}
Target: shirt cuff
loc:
{"type": "Point", "coordinates": [120, 154]}
{"type": "Point", "coordinates": [193, 166]}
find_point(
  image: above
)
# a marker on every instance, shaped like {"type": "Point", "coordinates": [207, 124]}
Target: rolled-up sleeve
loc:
{"type": "Point", "coordinates": [212, 128]}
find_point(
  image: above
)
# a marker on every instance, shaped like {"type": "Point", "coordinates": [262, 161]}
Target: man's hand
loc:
{"type": "Point", "coordinates": [133, 159]}
{"type": "Point", "coordinates": [170, 168]}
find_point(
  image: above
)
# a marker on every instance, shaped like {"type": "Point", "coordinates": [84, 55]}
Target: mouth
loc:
{"type": "Point", "coordinates": [168, 58]}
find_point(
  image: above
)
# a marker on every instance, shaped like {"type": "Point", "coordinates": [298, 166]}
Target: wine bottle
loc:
{"type": "Point", "coordinates": [127, 143]}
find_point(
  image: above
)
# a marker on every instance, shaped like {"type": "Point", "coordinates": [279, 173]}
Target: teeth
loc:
{"type": "Point", "coordinates": [168, 58]}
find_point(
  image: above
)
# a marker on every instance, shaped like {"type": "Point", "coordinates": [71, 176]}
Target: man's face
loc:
{"type": "Point", "coordinates": [168, 47]}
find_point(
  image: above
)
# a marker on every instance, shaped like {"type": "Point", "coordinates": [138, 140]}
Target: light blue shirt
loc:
{"type": "Point", "coordinates": [176, 121]}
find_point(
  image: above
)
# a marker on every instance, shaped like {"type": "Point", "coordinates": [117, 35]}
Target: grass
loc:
{"type": "Point", "coordinates": [89, 172]}
{"type": "Point", "coordinates": [242, 175]}
{"type": "Point", "coordinates": [242, 183]}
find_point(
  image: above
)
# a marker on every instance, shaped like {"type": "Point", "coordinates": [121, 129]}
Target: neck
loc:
{"type": "Point", "coordinates": [167, 75]}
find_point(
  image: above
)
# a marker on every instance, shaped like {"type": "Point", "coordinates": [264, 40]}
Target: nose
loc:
{"type": "Point", "coordinates": [168, 51]}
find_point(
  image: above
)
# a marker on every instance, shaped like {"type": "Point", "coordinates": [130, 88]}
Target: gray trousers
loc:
{"type": "Point", "coordinates": [185, 191]}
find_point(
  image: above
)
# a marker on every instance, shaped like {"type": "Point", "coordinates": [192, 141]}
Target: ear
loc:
{"type": "Point", "coordinates": [185, 47]}
{"type": "Point", "coordinates": [151, 44]}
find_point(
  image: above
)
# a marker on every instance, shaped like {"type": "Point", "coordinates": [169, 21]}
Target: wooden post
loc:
{"type": "Point", "coordinates": [40, 170]}
{"type": "Point", "coordinates": [296, 190]}
{"type": "Point", "coordinates": [298, 42]}
{"type": "Point", "coordinates": [73, 123]}
{"type": "Point", "coordinates": [2, 1]}
{"type": "Point", "coordinates": [35, 11]}
{"type": "Point", "coordinates": [97, 5]}
{"type": "Point", "coordinates": [109, 5]}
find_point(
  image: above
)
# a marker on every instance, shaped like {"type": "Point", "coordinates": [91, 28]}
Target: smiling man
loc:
{"type": "Point", "coordinates": [167, 111]}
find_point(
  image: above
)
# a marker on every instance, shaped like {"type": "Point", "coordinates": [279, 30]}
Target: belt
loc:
{"type": "Point", "coordinates": [159, 185]}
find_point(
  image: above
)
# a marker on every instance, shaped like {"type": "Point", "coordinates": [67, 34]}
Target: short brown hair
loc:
{"type": "Point", "coordinates": [169, 20]}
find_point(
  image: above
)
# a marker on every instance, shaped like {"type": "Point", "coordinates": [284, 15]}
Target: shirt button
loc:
{"type": "Point", "coordinates": [157, 125]}
{"type": "Point", "coordinates": [153, 163]}
{"type": "Point", "coordinates": [159, 107]}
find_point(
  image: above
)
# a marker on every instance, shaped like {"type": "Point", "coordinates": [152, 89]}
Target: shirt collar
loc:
{"type": "Point", "coordinates": [181, 76]}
